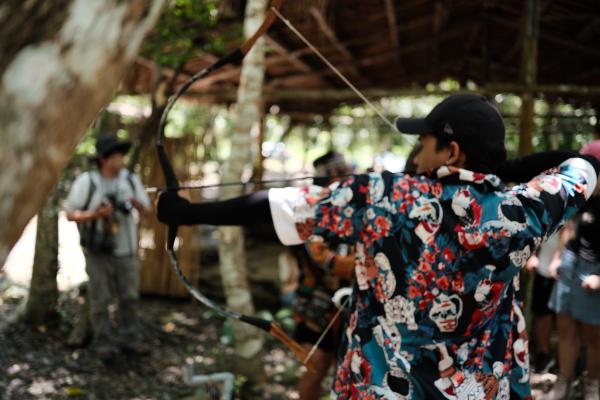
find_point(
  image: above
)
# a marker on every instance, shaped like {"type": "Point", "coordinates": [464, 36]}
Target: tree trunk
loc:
{"type": "Point", "coordinates": [60, 62]}
{"type": "Point", "coordinates": [248, 341]}
{"type": "Point", "coordinates": [43, 292]}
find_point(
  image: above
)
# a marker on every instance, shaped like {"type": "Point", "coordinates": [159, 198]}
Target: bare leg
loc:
{"type": "Point", "coordinates": [309, 386]}
{"type": "Point", "coordinates": [591, 337]}
{"type": "Point", "coordinates": [569, 344]}
{"type": "Point", "coordinates": [543, 331]}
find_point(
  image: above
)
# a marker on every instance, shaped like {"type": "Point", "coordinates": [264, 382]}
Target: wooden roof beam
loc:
{"type": "Point", "coordinates": [224, 75]}
{"type": "Point", "coordinates": [232, 73]}
{"type": "Point", "coordinates": [390, 12]}
{"type": "Point", "coordinates": [517, 46]}
{"type": "Point", "coordinates": [377, 93]}
{"type": "Point", "coordinates": [331, 36]}
{"type": "Point", "coordinates": [416, 23]}
{"type": "Point", "coordinates": [583, 34]}
{"type": "Point", "coordinates": [291, 80]}
{"type": "Point", "coordinates": [441, 12]}
{"type": "Point", "coordinates": [448, 34]}
{"type": "Point", "coordinates": [552, 38]}
{"type": "Point", "coordinates": [469, 43]}
{"type": "Point", "coordinates": [227, 74]}
{"type": "Point", "coordinates": [282, 51]}
{"type": "Point", "coordinates": [570, 44]}
{"type": "Point", "coordinates": [498, 67]}
{"type": "Point", "coordinates": [409, 5]}
{"type": "Point", "coordinates": [569, 17]}
{"type": "Point", "coordinates": [595, 70]}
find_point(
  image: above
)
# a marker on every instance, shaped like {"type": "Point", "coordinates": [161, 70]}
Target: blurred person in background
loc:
{"type": "Point", "coordinates": [322, 271]}
{"type": "Point", "coordinates": [576, 297]}
{"type": "Point", "coordinates": [540, 265]}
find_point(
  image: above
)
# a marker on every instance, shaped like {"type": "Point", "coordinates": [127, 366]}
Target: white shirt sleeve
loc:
{"type": "Point", "coordinates": [588, 172]}
{"type": "Point", "coordinates": [282, 202]}
{"type": "Point", "coordinates": [79, 193]}
{"type": "Point", "coordinates": [140, 193]}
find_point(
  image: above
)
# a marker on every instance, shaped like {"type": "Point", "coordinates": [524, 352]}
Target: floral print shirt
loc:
{"type": "Point", "coordinates": [435, 311]}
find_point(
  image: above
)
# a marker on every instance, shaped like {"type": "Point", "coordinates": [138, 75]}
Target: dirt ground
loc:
{"type": "Point", "coordinates": [35, 362]}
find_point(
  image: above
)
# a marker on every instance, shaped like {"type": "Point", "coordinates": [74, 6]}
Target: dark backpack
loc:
{"type": "Point", "coordinates": [87, 230]}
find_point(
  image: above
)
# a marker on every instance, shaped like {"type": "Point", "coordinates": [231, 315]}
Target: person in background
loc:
{"type": "Point", "coordinates": [106, 204]}
{"type": "Point", "coordinates": [548, 256]}
{"type": "Point", "coordinates": [576, 297]}
{"type": "Point", "coordinates": [322, 271]}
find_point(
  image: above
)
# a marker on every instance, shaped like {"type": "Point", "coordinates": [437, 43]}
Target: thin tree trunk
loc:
{"type": "Point", "coordinates": [43, 292]}
{"type": "Point", "coordinates": [248, 340]}
{"type": "Point", "coordinates": [148, 128]}
{"type": "Point", "coordinates": [60, 62]}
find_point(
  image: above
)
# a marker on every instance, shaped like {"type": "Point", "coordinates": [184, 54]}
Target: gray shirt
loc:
{"type": "Point", "coordinates": [124, 187]}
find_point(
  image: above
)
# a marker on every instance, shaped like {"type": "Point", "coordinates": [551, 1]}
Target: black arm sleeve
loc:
{"type": "Point", "coordinates": [247, 210]}
{"type": "Point", "coordinates": [524, 169]}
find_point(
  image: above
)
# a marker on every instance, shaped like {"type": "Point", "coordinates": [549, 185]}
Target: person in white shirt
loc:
{"type": "Point", "coordinates": [106, 204]}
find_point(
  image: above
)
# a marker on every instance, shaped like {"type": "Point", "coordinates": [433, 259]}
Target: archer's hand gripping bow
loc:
{"type": "Point", "coordinates": [173, 184]}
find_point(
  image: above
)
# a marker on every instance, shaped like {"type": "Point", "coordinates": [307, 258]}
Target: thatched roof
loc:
{"type": "Point", "coordinates": [392, 46]}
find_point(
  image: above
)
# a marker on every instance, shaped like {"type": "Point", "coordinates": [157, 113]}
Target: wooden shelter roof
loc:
{"type": "Point", "coordinates": [391, 47]}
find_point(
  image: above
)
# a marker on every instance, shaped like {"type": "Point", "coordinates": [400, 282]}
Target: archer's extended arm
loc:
{"type": "Point", "coordinates": [245, 210]}
{"type": "Point", "coordinates": [524, 169]}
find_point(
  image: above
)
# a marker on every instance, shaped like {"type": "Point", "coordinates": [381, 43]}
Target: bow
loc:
{"type": "Point", "coordinates": [172, 183]}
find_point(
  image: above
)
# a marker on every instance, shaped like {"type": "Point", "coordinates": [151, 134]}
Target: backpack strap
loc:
{"type": "Point", "coordinates": [131, 184]}
{"type": "Point", "coordinates": [91, 190]}
{"type": "Point", "coordinates": [87, 230]}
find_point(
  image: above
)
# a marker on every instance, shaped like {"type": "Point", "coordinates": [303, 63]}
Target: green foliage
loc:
{"type": "Point", "coordinates": [186, 28]}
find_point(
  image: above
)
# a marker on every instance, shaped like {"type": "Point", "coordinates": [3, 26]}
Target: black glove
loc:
{"type": "Point", "coordinates": [172, 208]}
{"type": "Point", "coordinates": [245, 210]}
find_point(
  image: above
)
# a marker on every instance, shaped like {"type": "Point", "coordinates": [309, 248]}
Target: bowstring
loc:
{"type": "Point", "coordinates": [327, 328]}
{"type": "Point", "coordinates": [364, 98]}
{"type": "Point", "coordinates": [156, 189]}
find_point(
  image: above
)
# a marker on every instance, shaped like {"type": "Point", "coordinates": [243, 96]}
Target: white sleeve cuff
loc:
{"type": "Point", "coordinates": [588, 171]}
{"type": "Point", "coordinates": [281, 203]}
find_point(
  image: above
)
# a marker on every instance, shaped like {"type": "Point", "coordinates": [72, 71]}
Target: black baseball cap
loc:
{"type": "Point", "coordinates": [471, 121]}
{"type": "Point", "coordinates": [110, 144]}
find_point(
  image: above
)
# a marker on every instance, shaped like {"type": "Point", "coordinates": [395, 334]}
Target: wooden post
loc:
{"type": "Point", "coordinates": [551, 134]}
{"type": "Point", "coordinates": [529, 58]}
{"type": "Point", "coordinates": [596, 107]}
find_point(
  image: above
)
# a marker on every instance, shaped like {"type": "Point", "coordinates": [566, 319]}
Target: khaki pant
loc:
{"type": "Point", "coordinates": [113, 277]}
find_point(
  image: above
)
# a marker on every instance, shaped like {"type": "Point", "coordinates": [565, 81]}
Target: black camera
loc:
{"type": "Point", "coordinates": [121, 205]}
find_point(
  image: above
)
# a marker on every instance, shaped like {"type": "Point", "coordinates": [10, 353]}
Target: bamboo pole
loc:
{"type": "Point", "coordinates": [529, 61]}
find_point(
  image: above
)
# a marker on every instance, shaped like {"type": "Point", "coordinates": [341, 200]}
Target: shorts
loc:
{"type": "Point", "coordinates": [542, 289]}
{"type": "Point", "coordinates": [568, 297]}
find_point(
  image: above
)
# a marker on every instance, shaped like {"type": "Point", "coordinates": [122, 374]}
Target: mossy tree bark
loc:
{"type": "Point", "coordinates": [60, 62]}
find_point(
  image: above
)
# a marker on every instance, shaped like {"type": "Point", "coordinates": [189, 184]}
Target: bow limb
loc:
{"type": "Point", "coordinates": [172, 183]}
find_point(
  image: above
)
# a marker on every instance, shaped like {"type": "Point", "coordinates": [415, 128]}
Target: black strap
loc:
{"type": "Point", "coordinates": [87, 230]}
{"type": "Point", "coordinates": [131, 184]}
{"type": "Point", "coordinates": [91, 190]}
